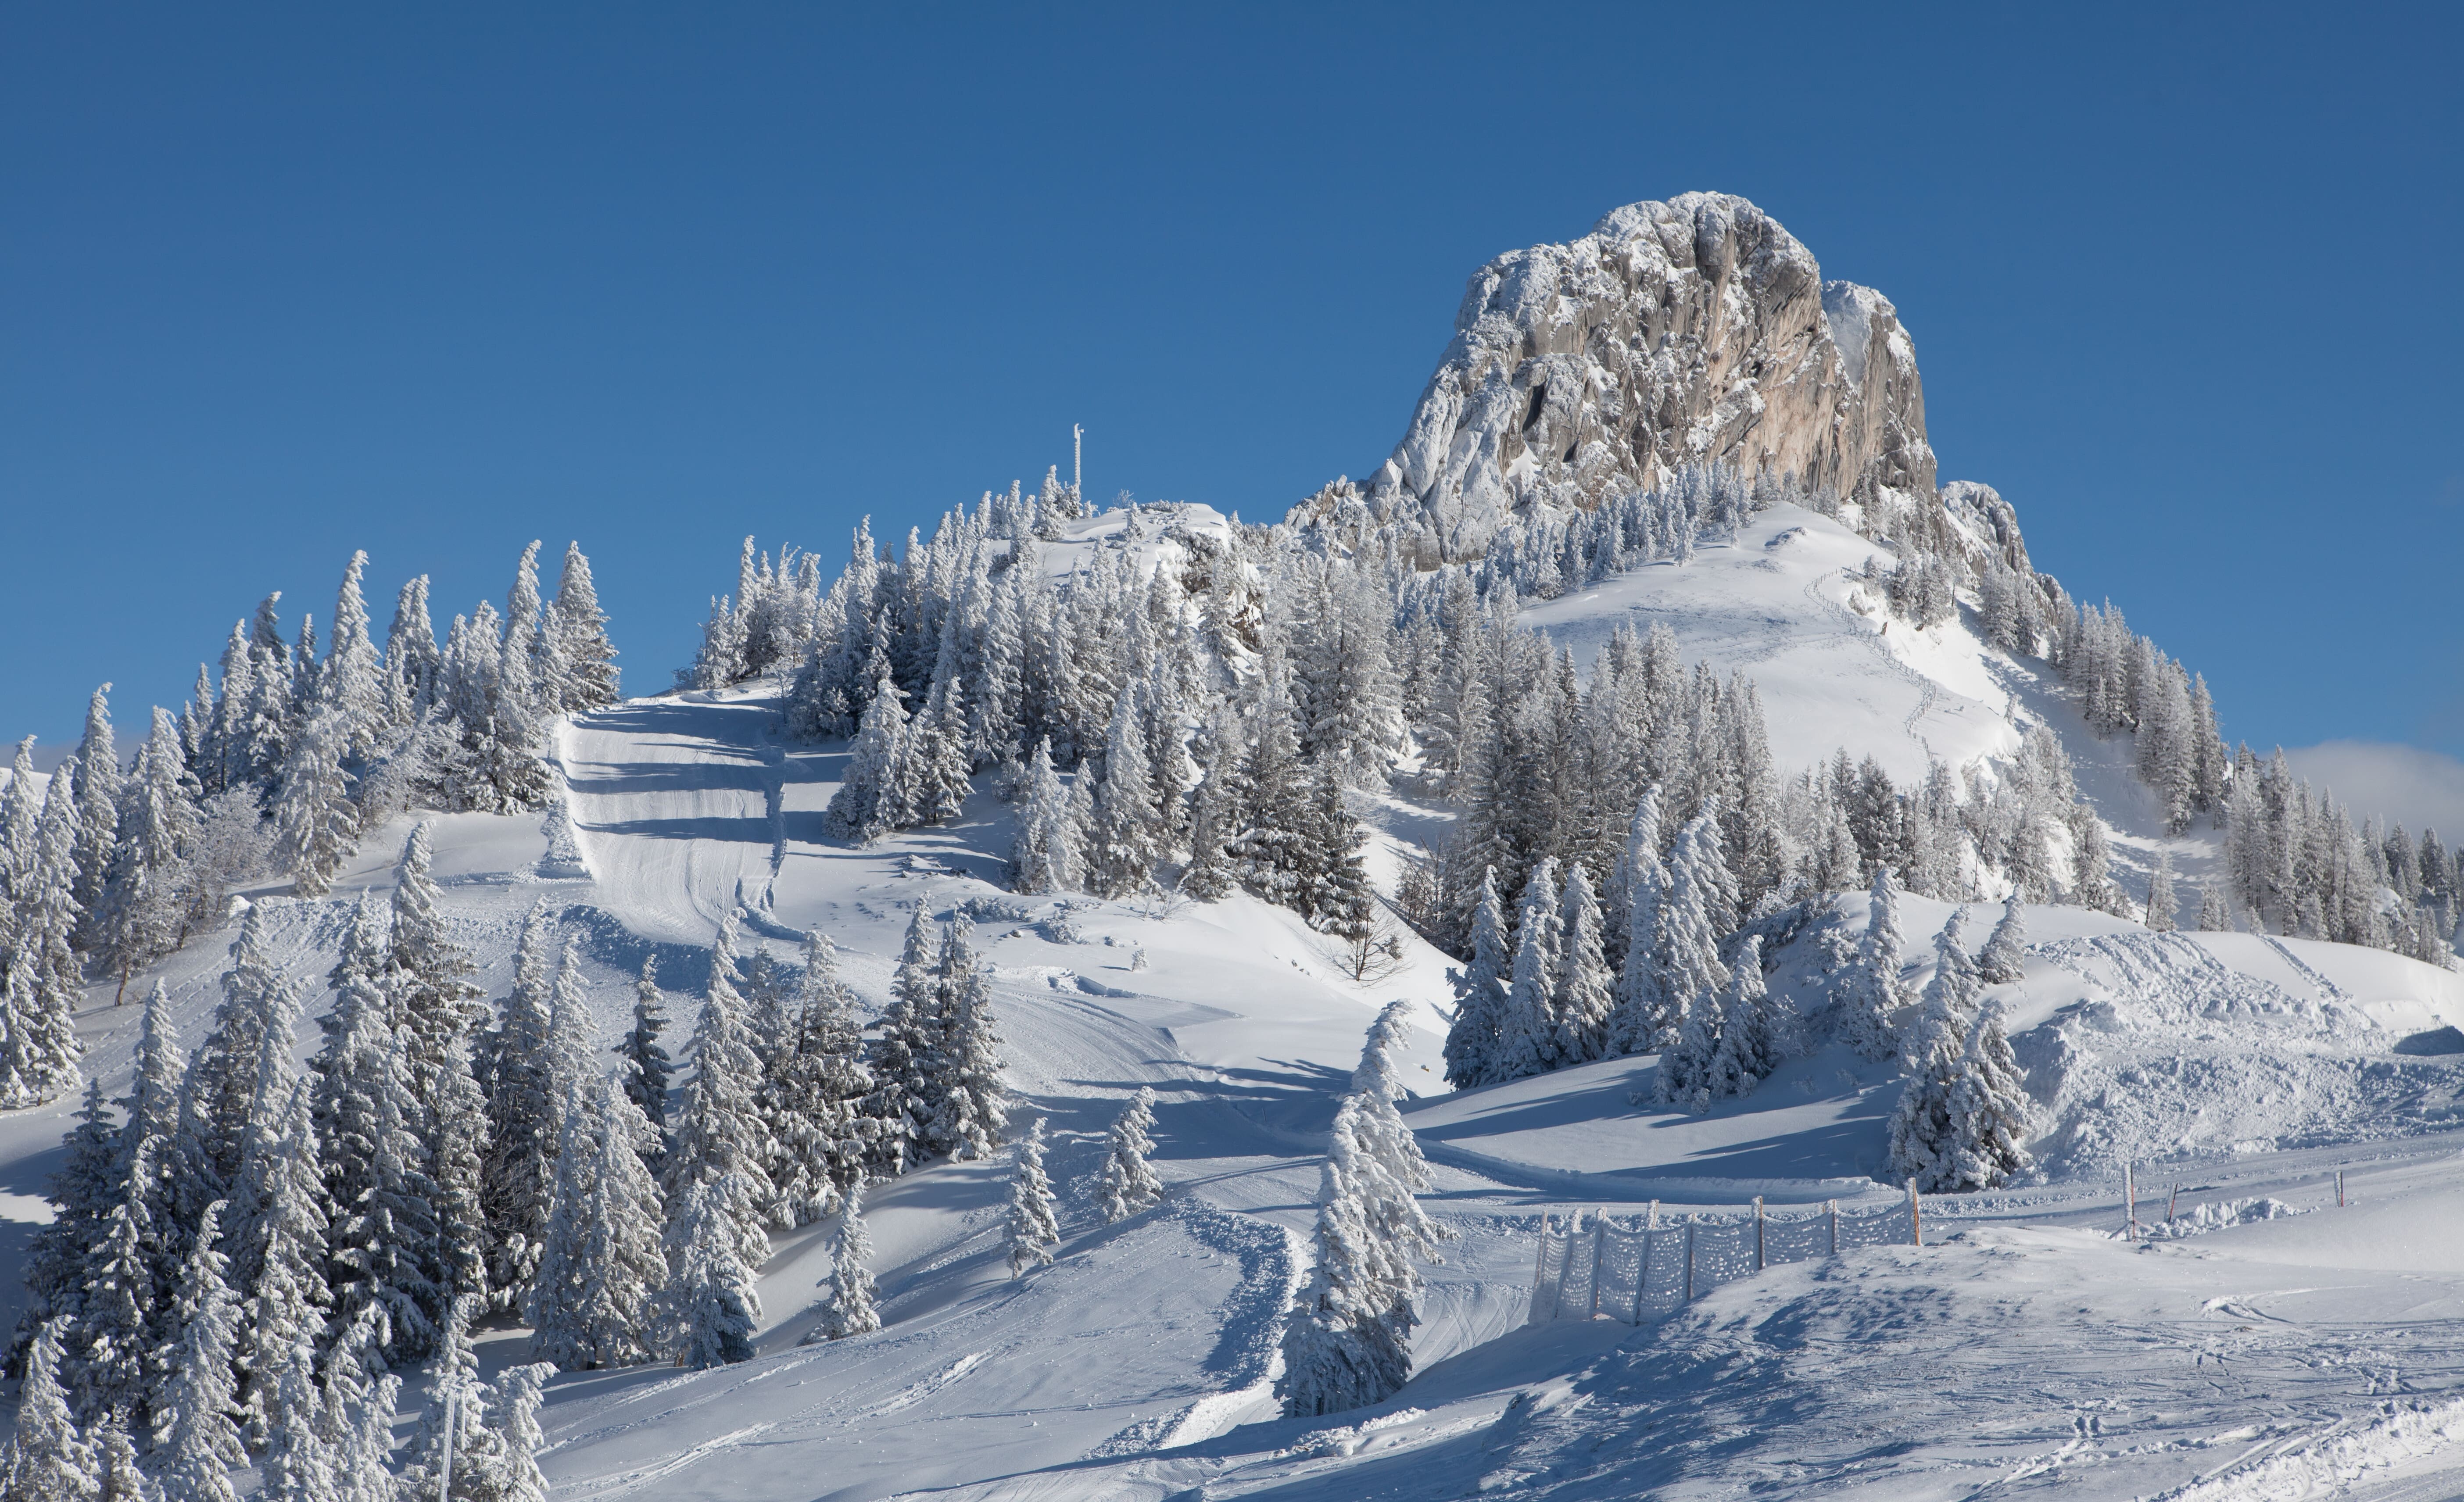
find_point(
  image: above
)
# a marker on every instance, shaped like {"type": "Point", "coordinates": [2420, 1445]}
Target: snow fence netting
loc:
{"type": "Point", "coordinates": [1646, 1269]}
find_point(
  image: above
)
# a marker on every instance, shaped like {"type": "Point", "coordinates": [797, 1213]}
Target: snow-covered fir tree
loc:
{"type": "Point", "coordinates": [711, 1308]}
{"type": "Point", "coordinates": [969, 1105]}
{"type": "Point", "coordinates": [1527, 1037]}
{"type": "Point", "coordinates": [870, 802]}
{"type": "Point", "coordinates": [1477, 1029]}
{"type": "Point", "coordinates": [848, 1301]}
{"type": "Point", "coordinates": [1047, 855]}
{"type": "Point", "coordinates": [2160, 894]}
{"type": "Point", "coordinates": [642, 1060]}
{"type": "Point", "coordinates": [524, 1113]}
{"type": "Point", "coordinates": [197, 1444]}
{"type": "Point", "coordinates": [576, 636]}
{"type": "Point", "coordinates": [1127, 1181]}
{"type": "Point", "coordinates": [2004, 956]}
{"type": "Point", "coordinates": [1347, 1341]}
{"type": "Point", "coordinates": [602, 1264]}
{"type": "Point", "coordinates": [47, 1459]}
{"type": "Point", "coordinates": [1925, 1138]}
{"type": "Point", "coordinates": [1641, 1019]}
{"type": "Point", "coordinates": [1034, 1232]}
{"type": "Point", "coordinates": [1872, 994]}
{"type": "Point", "coordinates": [815, 1087]}
{"type": "Point", "coordinates": [1693, 976]}
{"type": "Point", "coordinates": [1583, 1004]}
{"type": "Point", "coordinates": [720, 1144]}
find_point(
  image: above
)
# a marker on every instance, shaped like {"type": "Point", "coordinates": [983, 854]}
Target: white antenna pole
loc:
{"type": "Point", "coordinates": [445, 1471]}
{"type": "Point", "coordinates": [1078, 461]}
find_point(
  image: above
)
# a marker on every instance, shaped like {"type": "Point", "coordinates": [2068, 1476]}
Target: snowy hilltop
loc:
{"type": "Point", "coordinates": [1648, 950]}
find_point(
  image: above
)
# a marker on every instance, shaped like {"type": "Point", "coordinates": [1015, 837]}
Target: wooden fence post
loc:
{"type": "Point", "coordinates": [1830, 1209]}
{"type": "Point", "coordinates": [1758, 1234]}
{"type": "Point", "coordinates": [1599, 1250]}
{"type": "Point", "coordinates": [1689, 1259]}
{"type": "Point", "coordinates": [1916, 1217]}
{"type": "Point", "coordinates": [2129, 1203]}
{"type": "Point", "coordinates": [2339, 1187]}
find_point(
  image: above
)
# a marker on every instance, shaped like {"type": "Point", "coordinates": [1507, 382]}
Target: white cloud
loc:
{"type": "Point", "coordinates": [2413, 787]}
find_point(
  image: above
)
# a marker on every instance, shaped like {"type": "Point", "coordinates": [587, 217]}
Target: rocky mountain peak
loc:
{"type": "Point", "coordinates": [1689, 332]}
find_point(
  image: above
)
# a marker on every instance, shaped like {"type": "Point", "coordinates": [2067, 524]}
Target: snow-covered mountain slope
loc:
{"type": "Point", "coordinates": [1138, 1365]}
{"type": "Point", "coordinates": [1689, 332]}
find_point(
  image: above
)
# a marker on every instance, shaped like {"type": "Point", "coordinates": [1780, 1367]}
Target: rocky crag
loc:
{"type": "Point", "coordinates": [1691, 331]}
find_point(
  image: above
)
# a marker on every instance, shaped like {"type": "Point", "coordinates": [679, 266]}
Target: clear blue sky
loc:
{"type": "Point", "coordinates": [278, 282]}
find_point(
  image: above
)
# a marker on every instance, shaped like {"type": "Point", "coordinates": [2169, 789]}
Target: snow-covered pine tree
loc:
{"type": "Point", "coordinates": [576, 629]}
{"type": "Point", "coordinates": [643, 1062]}
{"type": "Point", "coordinates": [1871, 993]}
{"type": "Point", "coordinates": [1121, 846]}
{"type": "Point", "coordinates": [2091, 862]}
{"type": "Point", "coordinates": [720, 1144]}
{"type": "Point", "coordinates": [94, 782]}
{"type": "Point", "coordinates": [905, 1053]}
{"type": "Point", "coordinates": [82, 1192]}
{"type": "Point", "coordinates": [119, 1476]}
{"type": "Point", "coordinates": [1034, 1234]}
{"type": "Point", "coordinates": [2002, 960]}
{"type": "Point", "coordinates": [1347, 1341]}
{"type": "Point", "coordinates": [146, 902]}
{"type": "Point", "coordinates": [279, 1245]}
{"type": "Point", "coordinates": [1528, 1039]}
{"type": "Point", "coordinates": [868, 803]}
{"type": "Point", "coordinates": [1127, 1182]}
{"type": "Point", "coordinates": [40, 989]}
{"type": "Point", "coordinates": [968, 1103]}
{"type": "Point", "coordinates": [1925, 1136]}
{"type": "Point", "coordinates": [1215, 812]}
{"type": "Point", "coordinates": [384, 1241]}
{"type": "Point", "coordinates": [1753, 1029]}
{"type": "Point", "coordinates": [940, 765]}
{"type": "Point", "coordinates": [602, 1264]}
{"type": "Point", "coordinates": [711, 1307]}
{"type": "Point", "coordinates": [120, 1307]}
{"type": "Point", "coordinates": [1478, 1030]}
{"type": "Point", "coordinates": [524, 1113]}
{"type": "Point", "coordinates": [2160, 894]}
{"type": "Point", "coordinates": [1694, 977]}
{"type": "Point", "coordinates": [512, 1423]}
{"type": "Point", "coordinates": [298, 1463]}
{"type": "Point", "coordinates": [1989, 1111]}
{"type": "Point", "coordinates": [1338, 898]}
{"type": "Point", "coordinates": [1272, 852]}
{"type": "Point", "coordinates": [197, 1445]}
{"type": "Point", "coordinates": [816, 1081]}
{"type": "Point", "coordinates": [2215, 917]}
{"type": "Point", "coordinates": [48, 1460]}
{"type": "Point", "coordinates": [428, 975]}
{"type": "Point", "coordinates": [1582, 1005]}
{"type": "Point", "coordinates": [1046, 857]}
{"type": "Point", "coordinates": [1642, 1020]}
{"type": "Point", "coordinates": [850, 1308]}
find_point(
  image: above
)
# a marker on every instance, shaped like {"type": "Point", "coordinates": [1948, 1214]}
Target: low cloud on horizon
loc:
{"type": "Point", "coordinates": [2413, 787]}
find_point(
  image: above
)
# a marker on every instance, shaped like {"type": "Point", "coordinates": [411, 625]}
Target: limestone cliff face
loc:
{"type": "Point", "coordinates": [1688, 332]}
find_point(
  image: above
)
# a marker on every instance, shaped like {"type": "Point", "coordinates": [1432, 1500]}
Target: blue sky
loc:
{"type": "Point", "coordinates": [278, 282]}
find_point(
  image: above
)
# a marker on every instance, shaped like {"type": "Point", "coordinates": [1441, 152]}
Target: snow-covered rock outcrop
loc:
{"type": "Point", "coordinates": [1689, 332]}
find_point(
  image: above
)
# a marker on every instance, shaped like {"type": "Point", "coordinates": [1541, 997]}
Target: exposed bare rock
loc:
{"type": "Point", "coordinates": [1688, 332]}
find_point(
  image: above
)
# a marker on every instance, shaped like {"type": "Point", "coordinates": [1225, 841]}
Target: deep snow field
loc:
{"type": "Point", "coordinates": [2265, 1343]}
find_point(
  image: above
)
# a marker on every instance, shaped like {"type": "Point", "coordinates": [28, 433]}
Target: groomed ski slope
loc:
{"type": "Point", "coordinates": [2279, 1358]}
